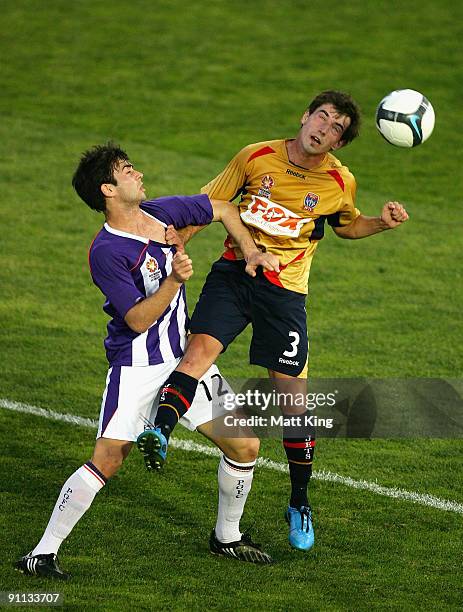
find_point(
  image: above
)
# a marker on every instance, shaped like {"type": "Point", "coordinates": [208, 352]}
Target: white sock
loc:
{"type": "Point", "coordinates": [75, 499]}
{"type": "Point", "coordinates": [235, 480]}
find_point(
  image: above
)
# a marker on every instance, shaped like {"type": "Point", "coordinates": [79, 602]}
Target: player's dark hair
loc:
{"type": "Point", "coordinates": [95, 168]}
{"type": "Point", "coordinates": [344, 104]}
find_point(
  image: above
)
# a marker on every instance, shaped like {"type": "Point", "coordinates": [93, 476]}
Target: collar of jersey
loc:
{"type": "Point", "coordinates": [153, 217]}
{"type": "Point", "coordinates": [116, 232]}
{"type": "Point", "coordinates": [323, 163]}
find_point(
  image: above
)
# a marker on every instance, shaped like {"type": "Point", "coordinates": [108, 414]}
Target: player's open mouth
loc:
{"type": "Point", "coordinates": [315, 139]}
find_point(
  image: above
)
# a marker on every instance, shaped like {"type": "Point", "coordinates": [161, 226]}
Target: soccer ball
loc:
{"type": "Point", "coordinates": [405, 118]}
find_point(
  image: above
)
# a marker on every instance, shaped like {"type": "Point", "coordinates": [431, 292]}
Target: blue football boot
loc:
{"type": "Point", "coordinates": [301, 535]}
{"type": "Point", "coordinates": [152, 443]}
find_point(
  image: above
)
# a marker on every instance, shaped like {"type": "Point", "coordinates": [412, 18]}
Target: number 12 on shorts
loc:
{"type": "Point", "coordinates": [294, 344]}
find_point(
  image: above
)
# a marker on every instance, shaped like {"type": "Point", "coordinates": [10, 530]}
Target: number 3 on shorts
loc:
{"type": "Point", "coordinates": [294, 344]}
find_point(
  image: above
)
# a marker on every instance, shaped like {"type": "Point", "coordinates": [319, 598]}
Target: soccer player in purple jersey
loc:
{"type": "Point", "coordinates": [141, 277]}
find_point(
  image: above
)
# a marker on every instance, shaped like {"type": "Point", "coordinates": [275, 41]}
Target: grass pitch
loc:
{"type": "Point", "coordinates": [143, 543]}
{"type": "Point", "coordinates": [182, 87]}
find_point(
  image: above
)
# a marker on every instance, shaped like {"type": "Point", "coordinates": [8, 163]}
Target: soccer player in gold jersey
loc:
{"type": "Point", "coordinates": [287, 190]}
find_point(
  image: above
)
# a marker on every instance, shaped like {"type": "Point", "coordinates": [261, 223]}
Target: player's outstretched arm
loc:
{"type": "Point", "coordinates": [179, 238]}
{"type": "Point", "coordinates": [392, 215]}
{"type": "Point", "coordinates": [187, 233]}
{"type": "Point", "coordinates": [141, 316]}
{"type": "Point", "coordinates": [228, 214]}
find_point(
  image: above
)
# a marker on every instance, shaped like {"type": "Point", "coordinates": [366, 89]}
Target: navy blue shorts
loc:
{"type": "Point", "coordinates": [231, 299]}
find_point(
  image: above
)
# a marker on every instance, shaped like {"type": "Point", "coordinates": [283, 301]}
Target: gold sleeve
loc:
{"type": "Point", "coordinates": [348, 211]}
{"type": "Point", "coordinates": [232, 180]}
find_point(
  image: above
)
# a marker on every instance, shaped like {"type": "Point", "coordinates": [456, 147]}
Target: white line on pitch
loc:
{"type": "Point", "coordinates": [187, 445]}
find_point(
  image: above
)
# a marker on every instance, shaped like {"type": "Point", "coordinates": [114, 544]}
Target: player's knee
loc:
{"type": "Point", "coordinates": [200, 354]}
{"type": "Point", "coordinates": [108, 459]}
{"type": "Point", "coordinates": [108, 464]}
{"type": "Point", "coordinates": [243, 450]}
{"type": "Point", "coordinates": [252, 448]}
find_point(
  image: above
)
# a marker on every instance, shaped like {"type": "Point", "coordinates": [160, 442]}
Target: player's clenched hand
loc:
{"type": "Point", "coordinates": [173, 238]}
{"type": "Point", "coordinates": [267, 260]}
{"type": "Point", "coordinates": [393, 214]}
{"type": "Point", "coordinates": [182, 267]}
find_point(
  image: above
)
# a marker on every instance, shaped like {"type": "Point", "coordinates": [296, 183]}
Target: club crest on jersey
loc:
{"type": "Point", "coordinates": [152, 268]}
{"type": "Point", "coordinates": [273, 219]}
{"type": "Point", "coordinates": [267, 182]}
{"type": "Point", "coordinates": [266, 185]}
{"type": "Point", "coordinates": [310, 201]}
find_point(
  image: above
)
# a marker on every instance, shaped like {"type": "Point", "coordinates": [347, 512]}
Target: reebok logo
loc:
{"type": "Point", "coordinates": [288, 361]}
{"type": "Point", "coordinates": [296, 174]}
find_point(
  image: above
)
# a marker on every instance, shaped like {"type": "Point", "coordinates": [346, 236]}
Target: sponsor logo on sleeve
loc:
{"type": "Point", "coordinates": [273, 219]}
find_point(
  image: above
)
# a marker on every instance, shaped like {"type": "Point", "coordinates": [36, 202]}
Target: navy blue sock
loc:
{"type": "Point", "coordinates": [299, 452]}
{"type": "Point", "coordinates": [176, 397]}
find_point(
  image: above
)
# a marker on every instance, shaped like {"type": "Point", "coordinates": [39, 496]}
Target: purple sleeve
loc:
{"type": "Point", "coordinates": [181, 211]}
{"type": "Point", "coordinates": [111, 274]}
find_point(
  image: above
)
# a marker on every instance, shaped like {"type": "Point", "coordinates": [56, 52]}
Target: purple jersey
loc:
{"type": "Point", "coordinates": [128, 268]}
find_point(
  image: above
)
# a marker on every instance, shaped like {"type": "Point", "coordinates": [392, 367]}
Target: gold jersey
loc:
{"type": "Point", "coordinates": [285, 206]}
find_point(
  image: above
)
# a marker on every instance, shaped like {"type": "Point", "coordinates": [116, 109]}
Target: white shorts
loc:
{"type": "Point", "coordinates": [130, 400]}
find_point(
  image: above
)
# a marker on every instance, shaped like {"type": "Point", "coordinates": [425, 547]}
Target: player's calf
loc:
{"type": "Point", "coordinates": [176, 398]}
{"type": "Point", "coordinates": [108, 455]}
{"type": "Point", "coordinates": [299, 452]}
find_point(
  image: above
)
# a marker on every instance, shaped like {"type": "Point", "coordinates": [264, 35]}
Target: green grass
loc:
{"type": "Point", "coordinates": [183, 86]}
{"type": "Point", "coordinates": [369, 553]}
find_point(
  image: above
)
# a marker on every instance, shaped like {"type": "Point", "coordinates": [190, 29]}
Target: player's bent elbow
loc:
{"type": "Point", "coordinates": [135, 323]}
{"type": "Point", "coordinates": [139, 329]}
{"type": "Point", "coordinates": [222, 209]}
{"type": "Point", "coordinates": [344, 233]}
